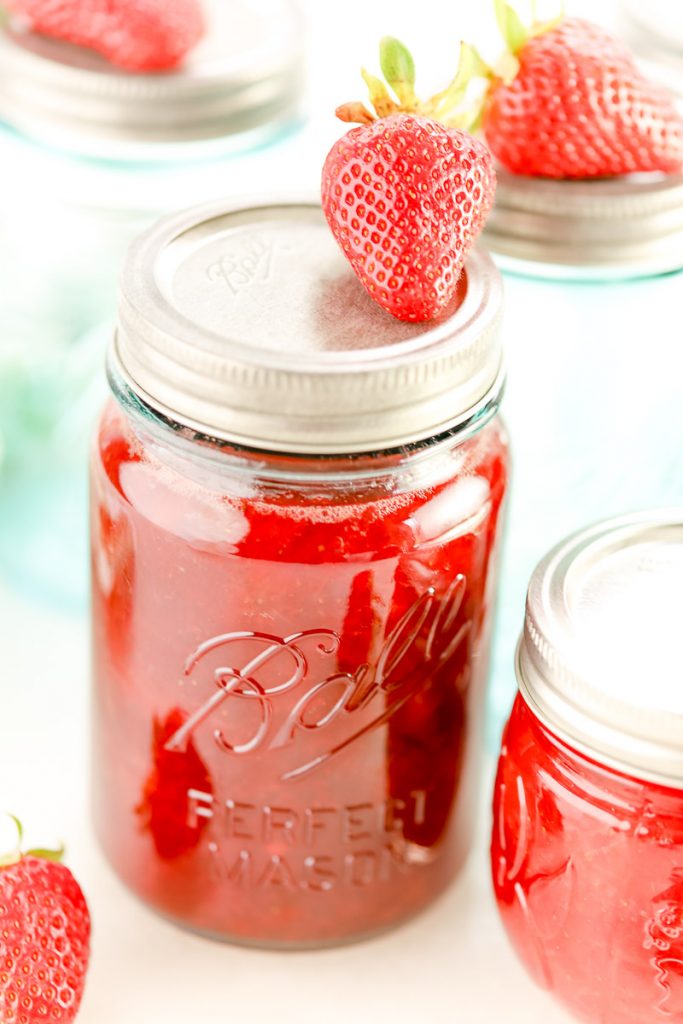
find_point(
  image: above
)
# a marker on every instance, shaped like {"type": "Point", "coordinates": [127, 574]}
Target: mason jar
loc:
{"type": "Point", "coordinates": [593, 290]}
{"type": "Point", "coordinates": [91, 155]}
{"type": "Point", "coordinates": [296, 502]}
{"type": "Point", "coordinates": [587, 848]}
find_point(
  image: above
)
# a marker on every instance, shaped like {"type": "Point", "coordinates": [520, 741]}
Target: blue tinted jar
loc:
{"type": "Point", "coordinates": [593, 293]}
{"type": "Point", "coordinates": [90, 156]}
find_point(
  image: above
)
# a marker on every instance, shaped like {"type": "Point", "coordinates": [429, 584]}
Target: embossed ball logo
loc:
{"type": "Point", "coordinates": [664, 940]}
{"type": "Point", "coordinates": [278, 696]}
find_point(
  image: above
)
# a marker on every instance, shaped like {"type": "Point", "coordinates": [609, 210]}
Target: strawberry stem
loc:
{"type": "Point", "coordinates": [17, 853]}
{"type": "Point", "coordinates": [354, 113]}
{"type": "Point", "coordinates": [20, 830]}
{"type": "Point", "coordinates": [53, 855]}
{"type": "Point", "coordinates": [538, 28]}
{"type": "Point", "coordinates": [511, 26]}
{"type": "Point", "coordinates": [452, 106]}
{"type": "Point", "coordinates": [398, 67]}
{"type": "Point", "coordinates": [14, 856]}
{"type": "Point", "coordinates": [507, 68]}
{"type": "Point", "coordinates": [471, 65]}
{"type": "Point", "coordinates": [379, 95]}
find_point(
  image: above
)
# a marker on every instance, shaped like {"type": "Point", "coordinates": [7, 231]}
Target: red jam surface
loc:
{"type": "Point", "coordinates": [288, 685]}
{"type": "Point", "coordinates": [588, 873]}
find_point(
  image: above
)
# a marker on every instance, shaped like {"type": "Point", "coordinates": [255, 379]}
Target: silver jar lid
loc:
{"type": "Point", "coordinates": [244, 321]}
{"type": "Point", "coordinates": [599, 661]}
{"type": "Point", "coordinates": [244, 76]}
{"type": "Point", "coordinates": [608, 228]}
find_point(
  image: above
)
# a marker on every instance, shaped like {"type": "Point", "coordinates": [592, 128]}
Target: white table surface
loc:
{"type": "Point", "coordinates": [453, 963]}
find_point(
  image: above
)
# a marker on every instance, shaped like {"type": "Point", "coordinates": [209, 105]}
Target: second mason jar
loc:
{"type": "Point", "coordinates": [296, 502]}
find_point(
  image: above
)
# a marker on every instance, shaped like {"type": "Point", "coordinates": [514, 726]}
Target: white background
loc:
{"type": "Point", "coordinates": [452, 964]}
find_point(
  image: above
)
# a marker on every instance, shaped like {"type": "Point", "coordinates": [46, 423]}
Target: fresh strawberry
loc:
{"type": "Point", "coordinates": [570, 102]}
{"type": "Point", "coordinates": [44, 939]}
{"type": "Point", "coordinates": [407, 194]}
{"type": "Point", "coordinates": [140, 35]}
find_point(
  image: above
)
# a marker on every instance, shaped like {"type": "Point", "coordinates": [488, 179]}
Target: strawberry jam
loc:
{"type": "Point", "coordinates": [289, 683]}
{"type": "Point", "coordinates": [588, 874]}
{"type": "Point", "coordinates": [290, 646]}
{"type": "Point", "coordinates": [587, 848]}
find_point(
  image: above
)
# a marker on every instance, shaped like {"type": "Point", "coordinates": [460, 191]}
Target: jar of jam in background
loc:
{"type": "Point", "coordinates": [296, 502]}
{"type": "Point", "coordinates": [587, 849]}
{"type": "Point", "coordinates": [92, 155]}
{"type": "Point", "coordinates": [593, 282]}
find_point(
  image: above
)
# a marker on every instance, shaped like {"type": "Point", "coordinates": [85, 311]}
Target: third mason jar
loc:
{"type": "Point", "coordinates": [587, 849]}
{"type": "Point", "coordinates": [296, 504]}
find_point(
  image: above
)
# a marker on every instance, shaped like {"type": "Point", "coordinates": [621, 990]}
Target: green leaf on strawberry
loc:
{"type": "Point", "coordinates": [379, 95]}
{"type": "Point", "coordinates": [511, 27]}
{"type": "Point", "coordinates": [398, 67]}
{"type": "Point", "coordinates": [56, 856]}
{"type": "Point", "coordinates": [470, 66]}
{"type": "Point", "coordinates": [16, 853]}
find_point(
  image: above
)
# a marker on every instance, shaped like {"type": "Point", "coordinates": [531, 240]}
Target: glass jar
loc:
{"type": "Point", "coordinates": [587, 848]}
{"type": "Point", "coordinates": [296, 501]}
{"type": "Point", "coordinates": [592, 285]}
{"type": "Point", "coordinates": [91, 156]}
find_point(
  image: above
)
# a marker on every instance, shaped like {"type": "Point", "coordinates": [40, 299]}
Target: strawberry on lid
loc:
{"type": "Point", "coordinates": [571, 102]}
{"type": "Point", "coordinates": [241, 82]}
{"type": "Point", "coordinates": [592, 184]}
{"type": "Point", "coordinates": [407, 192]}
{"type": "Point", "coordinates": [592, 152]}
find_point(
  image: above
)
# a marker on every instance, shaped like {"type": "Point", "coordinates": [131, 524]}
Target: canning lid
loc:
{"type": "Point", "coordinates": [607, 228]}
{"type": "Point", "coordinates": [600, 661]}
{"type": "Point", "coordinates": [243, 76]}
{"type": "Point", "coordinates": [245, 322]}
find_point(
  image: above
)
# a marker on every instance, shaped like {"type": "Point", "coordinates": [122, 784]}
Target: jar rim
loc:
{"type": "Point", "coordinates": [295, 356]}
{"type": "Point", "coordinates": [599, 580]}
{"type": "Point", "coordinates": [132, 401]}
{"type": "Point", "coordinates": [612, 228]}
